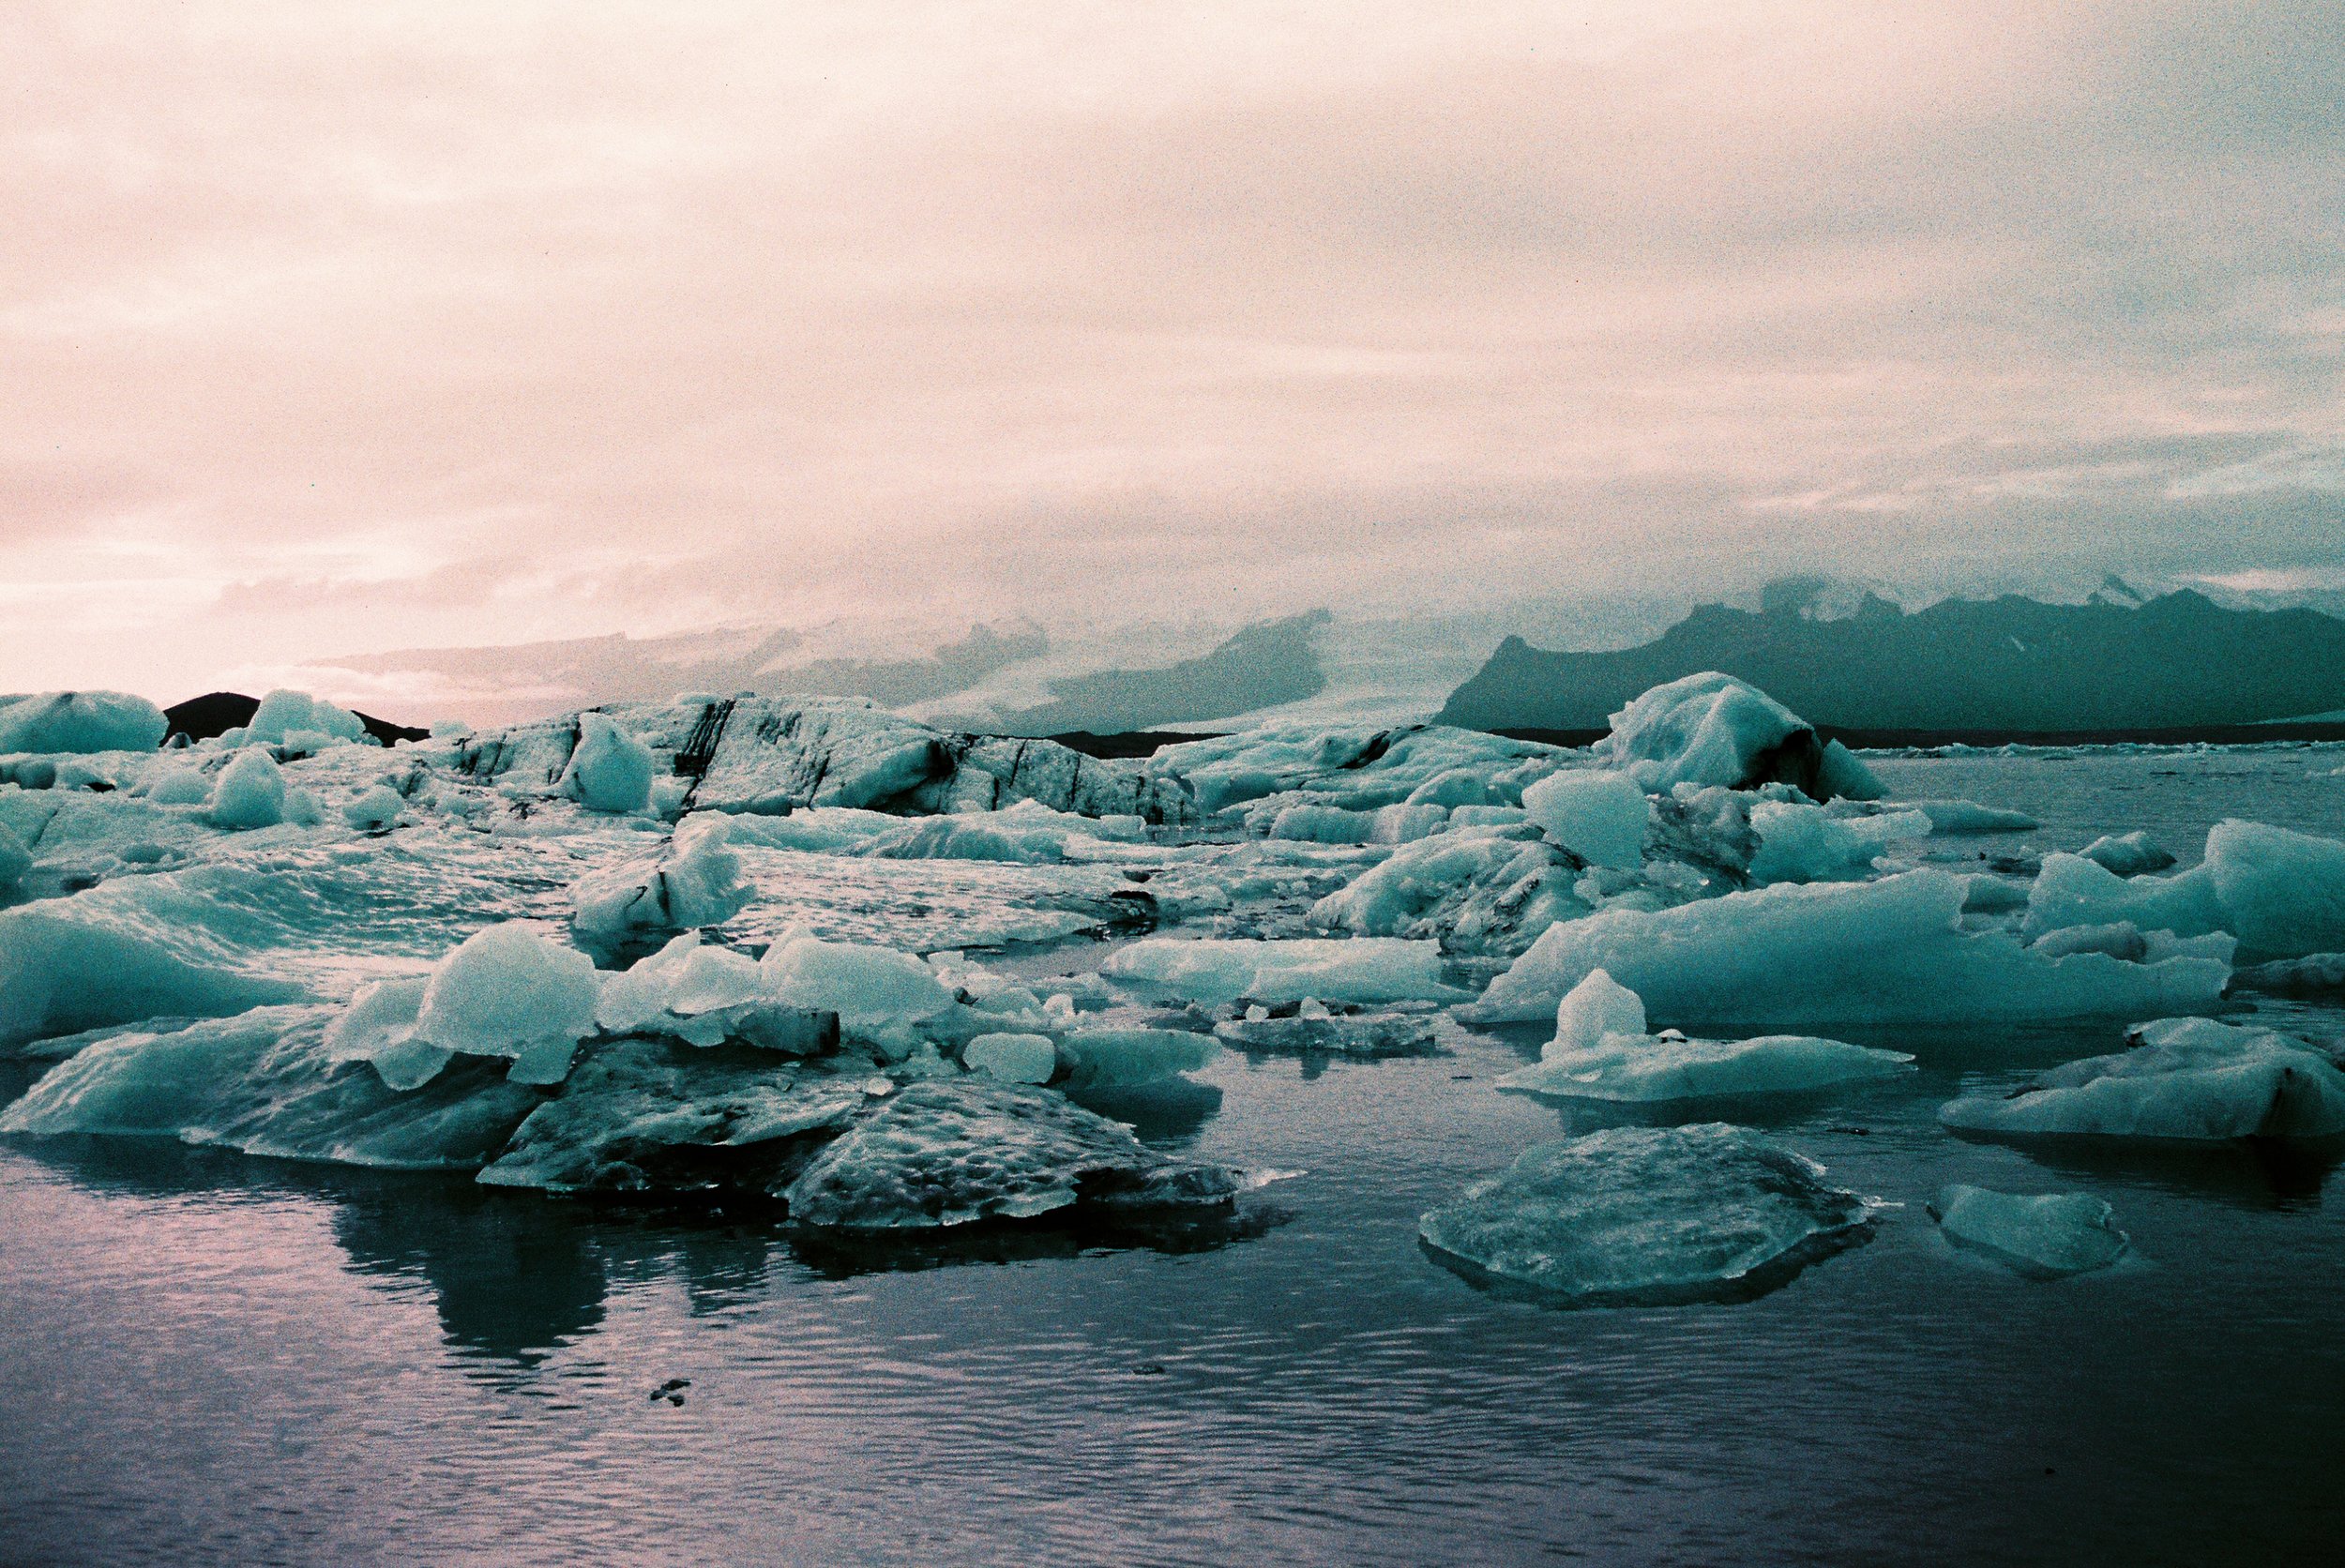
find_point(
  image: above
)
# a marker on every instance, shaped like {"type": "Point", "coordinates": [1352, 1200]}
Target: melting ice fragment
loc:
{"type": "Point", "coordinates": [696, 882]}
{"type": "Point", "coordinates": [2045, 1236]}
{"type": "Point", "coordinates": [2128, 855]}
{"type": "Point", "coordinates": [1012, 1058]}
{"type": "Point", "coordinates": [2193, 1079]}
{"type": "Point", "coordinates": [1602, 1053]}
{"type": "Point", "coordinates": [1647, 1215]}
{"type": "Point", "coordinates": [1802, 843]}
{"type": "Point", "coordinates": [1105, 1058]}
{"type": "Point", "coordinates": [1355, 969]}
{"type": "Point", "coordinates": [940, 1154]}
{"type": "Point", "coordinates": [379, 1026]}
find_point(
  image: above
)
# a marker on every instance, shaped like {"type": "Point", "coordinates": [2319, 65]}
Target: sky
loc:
{"type": "Point", "coordinates": [328, 328]}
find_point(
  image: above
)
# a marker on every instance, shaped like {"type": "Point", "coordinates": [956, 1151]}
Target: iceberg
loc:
{"type": "Point", "coordinates": [1473, 890]}
{"type": "Point", "coordinates": [636, 1116]}
{"type": "Point", "coordinates": [2281, 894]}
{"type": "Point", "coordinates": [1961, 817]}
{"type": "Point", "coordinates": [1602, 1053]}
{"type": "Point", "coordinates": [1712, 729]}
{"type": "Point", "coordinates": [2047, 1237]}
{"type": "Point", "coordinates": [609, 770]}
{"type": "Point", "coordinates": [951, 1153]}
{"type": "Point", "coordinates": [296, 721]}
{"type": "Point", "coordinates": [377, 810]}
{"type": "Point", "coordinates": [509, 990]}
{"type": "Point", "coordinates": [880, 995]}
{"type": "Point", "coordinates": [1889, 951]}
{"type": "Point", "coordinates": [1115, 1058]}
{"type": "Point", "coordinates": [1598, 816]}
{"type": "Point", "coordinates": [1647, 1215]}
{"type": "Point", "coordinates": [1218, 971]}
{"type": "Point", "coordinates": [2188, 1079]}
{"type": "Point", "coordinates": [249, 792]}
{"type": "Point", "coordinates": [79, 722]}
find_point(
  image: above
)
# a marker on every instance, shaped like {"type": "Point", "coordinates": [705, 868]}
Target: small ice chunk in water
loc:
{"type": "Point", "coordinates": [2281, 894]}
{"type": "Point", "coordinates": [2045, 1236]}
{"type": "Point", "coordinates": [2128, 855]}
{"type": "Point", "coordinates": [1220, 970]}
{"type": "Point", "coordinates": [1602, 1053]}
{"type": "Point", "coordinates": [1960, 816]}
{"type": "Point", "coordinates": [1647, 1215]}
{"type": "Point", "coordinates": [610, 770]}
{"type": "Point", "coordinates": [1598, 816]}
{"type": "Point", "coordinates": [2194, 1078]}
{"type": "Point", "coordinates": [249, 792]}
{"type": "Point", "coordinates": [1012, 1058]}
{"type": "Point", "coordinates": [878, 994]}
{"type": "Point", "coordinates": [1103, 1058]}
{"type": "Point", "coordinates": [509, 992]}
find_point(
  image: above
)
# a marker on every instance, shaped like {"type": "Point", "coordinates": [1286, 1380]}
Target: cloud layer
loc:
{"type": "Point", "coordinates": [328, 327]}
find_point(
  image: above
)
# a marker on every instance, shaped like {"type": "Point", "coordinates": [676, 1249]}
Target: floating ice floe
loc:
{"type": "Point", "coordinates": [1647, 1215]}
{"type": "Point", "coordinates": [2190, 1079]}
{"type": "Point", "coordinates": [1602, 1051]}
{"type": "Point", "coordinates": [79, 723]}
{"type": "Point", "coordinates": [948, 1153]}
{"type": "Point", "coordinates": [1963, 817]}
{"type": "Point", "coordinates": [2281, 894]}
{"type": "Point", "coordinates": [1888, 951]}
{"type": "Point", "coordinates": [1218, 971]}
{"type": "Point", "coordinates": [2045, 1236]}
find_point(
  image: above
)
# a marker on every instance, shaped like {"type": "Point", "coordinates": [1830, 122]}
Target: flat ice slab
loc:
{"type": "Point", "coordinates": [2045, 1237]}
{"type": "Point", "coordinates": [1643, 1214]}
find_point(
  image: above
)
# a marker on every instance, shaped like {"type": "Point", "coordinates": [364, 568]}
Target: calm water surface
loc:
{"type": "Point", "coordinates": [209, 1358]}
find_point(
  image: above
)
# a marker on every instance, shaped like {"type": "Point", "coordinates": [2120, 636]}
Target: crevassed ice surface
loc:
{"type": "Point", "coordinates": [317, 1362]}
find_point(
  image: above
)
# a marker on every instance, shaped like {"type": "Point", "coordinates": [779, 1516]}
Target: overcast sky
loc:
{"type": "Point", "coordinates": [327, 328]}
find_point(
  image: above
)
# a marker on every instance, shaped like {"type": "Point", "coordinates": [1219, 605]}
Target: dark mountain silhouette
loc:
{"type": "Point", "coordinates": [2008, 665]}
{"type": "Point", "coordinates": [215, 712]}
{"type": "Point", "coordinates": [1261, 667]}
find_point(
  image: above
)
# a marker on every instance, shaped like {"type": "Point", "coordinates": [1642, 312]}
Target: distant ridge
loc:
{"type": "Point", "coordinates": [2006, 667]}
{"type": "Point", "coordinates": [1261, 667]}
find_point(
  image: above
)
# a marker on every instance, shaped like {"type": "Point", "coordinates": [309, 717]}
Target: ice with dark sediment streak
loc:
{"type": "Point", "coordinates": [942, 1154]}
{"type": "Point", "coordinates": [1647, 1215]}
{"type": "Point", "coordinates": [2184, 1079]}
{"type": "Point", "coordinates": [2045, 1236]}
